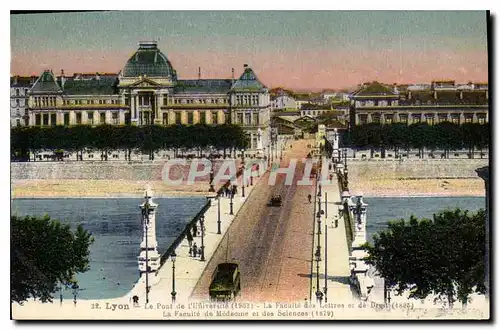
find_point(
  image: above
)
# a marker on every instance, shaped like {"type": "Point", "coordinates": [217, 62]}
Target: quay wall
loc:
{"type": "Point", "coordinates": [101, 170]}
{"type": "Point", "coordinates": [414, 169]}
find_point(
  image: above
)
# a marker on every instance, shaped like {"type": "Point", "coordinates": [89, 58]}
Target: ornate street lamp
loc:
{"type": "Point", "coordinates": [173, 293]}
{"type": "Point", "coordinates": [218, 214]}
{"type": "Point", "coordinates": [145, 219]}
{"type": "Point", "coordinates": [202, 223]}
{"type": "Point", "coordinates": [319, 294]}
{"type": "Point", "coordinates": [212, 189]}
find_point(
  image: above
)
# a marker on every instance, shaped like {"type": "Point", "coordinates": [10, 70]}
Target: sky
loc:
{"type": "Point", "coordinates": [307, 50]}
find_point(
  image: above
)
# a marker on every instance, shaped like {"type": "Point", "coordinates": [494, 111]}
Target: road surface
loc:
{"type": "Point", "coordinates": [272, 245]}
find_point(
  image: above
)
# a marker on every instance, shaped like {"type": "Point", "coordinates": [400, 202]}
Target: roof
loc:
{"type": "Point", "coordinates": [148, 60]}
{"type": "Point", "coordinates": [101, 86]}
{"type": "Point", "coordinates": [215, 86]}
{"type": "Point", "coordinates": [248, 81]}
{"type": "Point", "coordinates": [375, 88]}
{"type": "Point", "coordinates": [22, 81]}
{"type": "Point", "coordinates": [46, 83]}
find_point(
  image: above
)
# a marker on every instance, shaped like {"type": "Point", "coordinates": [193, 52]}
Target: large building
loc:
{"type": "Point", "coordinates": [438, 102]}
{"type": "Point", "coordinates": [19, 87]}
{"type": "Point", "coordinates": [148, 91]}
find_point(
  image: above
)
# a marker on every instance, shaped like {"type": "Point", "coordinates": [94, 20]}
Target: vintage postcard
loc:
{"type": "Point", "coordinates": [250, 165]}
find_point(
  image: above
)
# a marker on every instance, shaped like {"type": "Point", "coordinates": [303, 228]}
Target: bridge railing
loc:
{"type": "Point", "coordinates": [183, 234]}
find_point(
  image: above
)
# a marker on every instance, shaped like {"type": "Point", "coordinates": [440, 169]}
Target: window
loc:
{"type": "Point", "coordinates": [114, 117]}
{"type": "Point", "coordinates": [429, 119]}
{"type": "Point", "coordinates": [46, 119]}
{"type": "Point", "coordinates": [215, 117]}
{"type": "Point", "coordinates": [18, 113]}
{"type": "Point", "coordinates": [481, 119]}
{"type": "Point", "coordinates": [190, 118]}
{"type": "Point", "coordinates": [18, 122]}
{"type": "Point", "coordinates": [376, 119]}
{"type": "Point", "coordinates": [66, 119]}
{"type": "Point", "coordinates": [102, 120]}
{"type": "Point", "coordinates": [38, 119]}
{"type": "Point", "coordinates": [388, 119]}
{"type": "Point", "coordinates": [17, 92]}
{"type": "Point", "coordinates": [178, 118]}
{"type": "Point", "coordinates": [256, 119]}
{"type": "Point", "coordinates": [239, 118]}
{"type": "Point", "coordinates": [403, 119]}
{"type": "Point", "coordinates": [165, 118]}
{"type": "Point", "coordinates": [101, 101]}
{"type": "Point", "coordinates": [202, 117]}
{"type": "Point", "coordinates": [79, 118]}
{"type": "Point", "coordinates": [248, 118]}
{"type": "Point", "coordinates": [455, 119]}
{"type": "Point", "coordinates": [468, 119]}
{"type": "Point", "coordinates": [416, 118]}
{"type": "Point", "coordinates": [90, 117]}
{"type": "Point", "coordinates": [25, 91]}
{"type": "Point", "coordinates": [165, 100]}
{"type": "Point", "coordinates": [127, 100]}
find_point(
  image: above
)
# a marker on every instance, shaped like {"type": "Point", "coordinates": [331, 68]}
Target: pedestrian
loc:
{"type": "Point", "coordinates": [195, 250]}
{"type": "Point", "coordinates": [135, 299]}
{"type": "Point", "coordinates": [309, 197]}
{"type": "Point", "coordinates": [190, 251]}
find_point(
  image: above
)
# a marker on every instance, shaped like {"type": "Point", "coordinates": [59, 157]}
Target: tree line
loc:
{"type": "Point", "coordinates": [443, 136]}
{"type": "Point", "coordinates": [26, 142]}
{"type": "Point", "coordinates": [443, 256]}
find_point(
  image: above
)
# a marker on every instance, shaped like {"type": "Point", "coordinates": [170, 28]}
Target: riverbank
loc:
{"type": "Point", "coordinates": [374, 187]}
{"type": "Point", "coordinates": [101, 188]}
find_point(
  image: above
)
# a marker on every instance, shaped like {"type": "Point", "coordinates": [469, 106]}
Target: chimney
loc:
{"type": "Point", "coordinates": [199, 73]}
{"type": "Point", "coordinates": [63, 79]}
{"type": "Point", "coordinates": [33, 79]}
{"type": "Point", "coordinates": [232, 74]}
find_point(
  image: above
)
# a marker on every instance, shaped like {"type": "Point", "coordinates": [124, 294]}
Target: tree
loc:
{"type": "Point", "coordinates": [44, 253]}
{"type": "Point", "coordinates": [444, 256]}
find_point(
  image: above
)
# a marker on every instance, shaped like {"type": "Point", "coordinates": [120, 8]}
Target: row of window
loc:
{"type": "Point", "coordinates": [51, 118]}
{"type": "Point", "coordinates": [247, 118]}
{"type": "Point", "coordinates": [429, 119]}
{"type": "Point", "coordinates": [252, 99]}
{"type": "Point", "coordinates": [195, 101]}
{"type": "Point", "coordinates": [45, 101]}
{"type": "Point", "coordinates": [377, 103]}
{"type": "Point", "coordinates": [91, 102]}
{"type": "Point", "coordinates": [202, 118]}
{"type": "Point", "coordinates": [18, 92]}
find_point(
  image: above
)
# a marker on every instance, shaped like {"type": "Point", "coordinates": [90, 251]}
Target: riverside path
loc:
{"type": "Point", "coordinates": [272, 245]}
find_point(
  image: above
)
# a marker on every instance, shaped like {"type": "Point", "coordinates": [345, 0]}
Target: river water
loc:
{"type": "Point", "coordinates": [116, 226]}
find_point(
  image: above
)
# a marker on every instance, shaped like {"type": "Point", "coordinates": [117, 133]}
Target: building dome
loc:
{"type": "Point", "coordinates": [150, 61]}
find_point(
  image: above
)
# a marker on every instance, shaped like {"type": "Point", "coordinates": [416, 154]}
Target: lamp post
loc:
{"type": "Point", "coordinates": [145, 219]}
{"type": "Point", "coordinates": [75, 288]}
{"type": "Point", "coordinates": [243, 172]}
{"type": "Point", "coordinates": [212, 189]}
{"type": "Point", "coordinates": [202, 223]}
{"type": "Point", "coordinates": [325, 289]}
{"type": "Point", "coordinates": [173, 293]}
{"type": "Point", "coordinates": [218, 214]}
{"type": "Point", "coordinates": [319, 294]}
{"type": "Point", "coordinates": [326, 205]}
{"type": "Point", "coordinates": [318, 215]}
{"type": "Point", "coordinates": [231, 203]}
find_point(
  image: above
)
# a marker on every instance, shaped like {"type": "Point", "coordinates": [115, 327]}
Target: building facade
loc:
{"type": "Point", "coordinates": [147, 91]}
{"type": "Point", "coordinates": [19, 88]}
{"type": "Point", "coordinates": [435, 103]}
